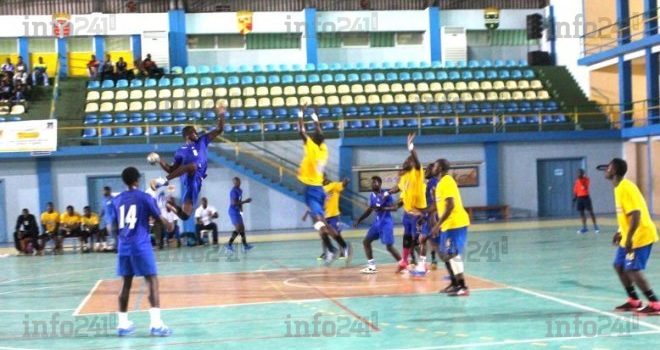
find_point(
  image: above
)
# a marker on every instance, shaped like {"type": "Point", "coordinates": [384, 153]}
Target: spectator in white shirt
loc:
{"type": "Point", "coordinates": [204, 216]}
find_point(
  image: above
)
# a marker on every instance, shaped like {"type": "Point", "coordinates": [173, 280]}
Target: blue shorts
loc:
{"type": "Point", "coordinates": [334, 223]}
{"type": "Point", "coordinates": [410, 224]}
{"type": "Point", "coordinates": [426, 226]}
{"type": "Point", "coordinates": [190, 188]}
{"type": "Point", "coordinates": [236, 217]}
{"type": "Point", "coordinates": [143, 264]}
{"type": "Point", "coordinates": [452, 241]}
{"type": "Point", "coordinates": [315, 200]}
{"type": "Point", "coordinates": [634, 261]}
{"type": "Point", "coordinates": [383, 229]}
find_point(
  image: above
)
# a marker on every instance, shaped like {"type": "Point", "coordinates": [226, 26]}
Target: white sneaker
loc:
{"type": "Point", "coordinates": [158, 182]}
{"type": "Point", "coordinates": [370, 269]}
{"type": "Point", "coordinates": [329, 258]}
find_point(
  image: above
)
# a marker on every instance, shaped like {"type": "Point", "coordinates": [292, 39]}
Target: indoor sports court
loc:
{"type": "Point", "coordinates": [329, 174]}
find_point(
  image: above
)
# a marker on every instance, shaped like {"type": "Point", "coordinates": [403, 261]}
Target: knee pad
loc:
{"type": "Point", "coordinates": [408, 240]}
{"type": "Point", "coordinates": [319, 225]}
{"type": "Point", "coordinates": [457, 265]}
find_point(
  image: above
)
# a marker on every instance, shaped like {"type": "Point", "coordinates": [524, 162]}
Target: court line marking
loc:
{"type": "Point", "coordinates": [527, 341]}
{"type": "Point", "coordinates": [54, 275]}
{"type": "Point", "coordinates": [42, 288]}
{"type": "Point", "coordinates": [9, 348]}
{"type": "Point", "coordinates": [580, 306]}
{"type": "Point", "coordinates": [89, 295]}
{"type": "Point", "coordinates": [34, 311]}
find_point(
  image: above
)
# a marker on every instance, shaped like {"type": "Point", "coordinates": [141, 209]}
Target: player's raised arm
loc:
{"type": "Point", "coordinates": [301, 125]}
{"type": "Point", "coordinates": [413, 153]}
{"type": "Point", "coordinates": [220, 128]}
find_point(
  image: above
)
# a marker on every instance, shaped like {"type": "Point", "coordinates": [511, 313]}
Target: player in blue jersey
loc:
{"type": "Point", "coordinates": [429, 219]}
{"type": "Point", "coordinates": [108, 221]}
{"type": "Point", "coordinates": [382, 227]}
{"type": "Point", "coordinates": [132, 210]}
{"type": "Point", "coordinates": [236, 216]}
{"type": "Point", "coordinates": [190, 164]}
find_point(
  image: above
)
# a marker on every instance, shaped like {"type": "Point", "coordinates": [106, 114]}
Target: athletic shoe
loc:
{"type": "Point", "coordinates": [401, 267]}
{"type": "Point", "coordinates": [342, 255]}
{"type": "Point", "coordinates": [582, 231]}
{"type": "Point", "coordinates": [329, 258]}
{"type": "Point", "coordinates": [246, 248]}
{"type": "Point", "coordinates": [158, 182]}
{"type": "Point", "coordinates": [449, 289]}
{"type": "Point", "coordinates": [434, 265]}
{"type": "Point", "coordinates": [321, 257]}
{"type": "Point", "coordinates": [630, 305]}
{"type": "Point", "coordinates": [122, 332]}
{"type": "Point", "coordinates": [348, 253]}
{"type": "Point", "coordinates": [229, 248]}
{"type": "Point", "coordinates": [460, 292]}
{"type": "Point", "coordinates": [163, 331]}
{"type": "Point", "coordinates": [370, 269]}
{"type": "Point", "coordinates": [596, 229]}
{"type": "Point", "coordinates": [649, 310]}
{"type": "Point", "coordinates": [417, 273]}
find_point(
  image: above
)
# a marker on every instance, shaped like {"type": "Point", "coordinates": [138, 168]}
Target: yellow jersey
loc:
{"type": "Point", "coordinates": [50, 220]}
{"type": "Point", "coordinates": [313, 163]}
{"type": "Point", "coordinates": [333, 192]}
{"type": "Point", "coordinates": [413, 189]}
{"type": "Point", "coordinates": [66, 219]}
{"type": "Point", "coordinates": [92, 220]}
{"type": "Point", "coordinates": [447, 188]}
{"type": "Point", "coordinates": [628, 198]}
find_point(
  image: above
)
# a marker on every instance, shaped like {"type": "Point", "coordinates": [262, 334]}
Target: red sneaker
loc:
{"type": "Point", "coordinates": [653, 309]}
{"type": "Point", "coordinates": [449, 289]}
{"type": "Point", "coordinates": [630, 305]}
{"type": "Point", "coordinates": [460, 292]}
{"type": "Point", "coordinates": [402, 266]}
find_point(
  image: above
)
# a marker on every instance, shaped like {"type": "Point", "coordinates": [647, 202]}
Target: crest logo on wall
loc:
{"type": "Point", "coordinates": [492, 17]}
{"type": "Point", "coordinates": [244, 21]}
{"type": "Point", "coordinates": [61, 24]}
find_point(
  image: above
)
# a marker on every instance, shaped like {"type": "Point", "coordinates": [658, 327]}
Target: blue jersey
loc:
{"type": "Point", "coordinates": [379, 201]}
{"type": "Point", "coordinates": [236, 194]}
{"type": "Point", "coordinates": [430, 190]}
{"type": "Point", "coordinates": [132, 210]}
{"type": "Point", "coordinates": [108, 210]}
{"type": "Point", "coordinates": [194, 153]}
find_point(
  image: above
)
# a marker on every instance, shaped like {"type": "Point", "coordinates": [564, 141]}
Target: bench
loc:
{"type": "Point", "coordinates": [502, 210]}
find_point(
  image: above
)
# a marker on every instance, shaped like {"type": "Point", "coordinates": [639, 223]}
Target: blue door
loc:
{"type": "Point", "coordinates": [555, 186]}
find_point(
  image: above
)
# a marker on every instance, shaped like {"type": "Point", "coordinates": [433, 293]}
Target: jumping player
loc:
{"type": "Point", "coordinates": [236, 216]}
{"type": "Point", "coordinates": [451, 229]}
{"type": "Point", "coordinates": [132, 209]}
{"type": "Point", "coordinates": [429, 219]}
{"type": "Point", "coordinates": [635, 239]}
{"type": "Point", "coordinates": [333, 190]}
{"type": "Point", "coordinates": [382, 227]}
{"type": "Point", "coordinates": [311, 175]}
{"type": "Point", "coordinates": [190, 162]}
{"type": "Point", "coordinates": [412, 187]}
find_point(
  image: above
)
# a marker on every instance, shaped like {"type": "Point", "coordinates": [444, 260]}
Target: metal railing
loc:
{"type": "Point", "coordinates": [608, 37]}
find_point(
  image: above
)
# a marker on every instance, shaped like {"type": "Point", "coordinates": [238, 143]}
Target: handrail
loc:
{"type": "Point", "coordinates": [56, 88]}
{"type": "Point", "coordinates": [594, 34]}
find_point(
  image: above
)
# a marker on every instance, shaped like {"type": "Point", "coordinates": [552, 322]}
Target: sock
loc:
{"type": "Point", "coordinates": [341, 242]}
{"type": "Point", "coordinates": [433, 255]}
{"type": "Point", "coordinates": [451, 274]}
{"type": "Point", "coordinates": [406, 254]}
{"type": "Point", "coordinates": [122, 320]}
{"type": "Point", "coordinates": [328, 244]}
{"type": "Point", "coordinates": [156, 322]}
{"type": "Point", "coordinates": [631, 293]}
{"type": "Point", "coordinates": [183, 216]}
{"type": "Point", "coordinates": [371, 262]}
{"type": "Point", "coordinates": [243, 239]}
{"type": "Point", "coordinates": [421, 265]}
{"type": "Point", "coordinates": [650, 296]}
{"type": "Point", "coordinates": [461, 283]}
{"type": "Point", "coordinates": [233, 237]}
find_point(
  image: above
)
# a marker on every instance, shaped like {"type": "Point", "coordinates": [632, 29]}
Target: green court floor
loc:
{"type": "Point", "coordinates": [550, 278]}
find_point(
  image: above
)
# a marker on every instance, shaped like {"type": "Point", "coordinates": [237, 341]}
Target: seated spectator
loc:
{"type": "Point", "coordinates": [174, 234]}
{"type": "Point", "coordinates": [8, 68]}
{"type": "Point", "coordinates": [19, 91]}
{"type": "Point", "coordinates": [6, 91]}
{"type": "Point", "coordinates": [107, 69]}
{"type": "Point", "coordinates": [50, 222]}
{"type": "Point", "coordinates": [26, 234]}
{"type": "Point", "coordinates": [150, 68]}
{"type": "Point", "coordinates": [69, 227]}
{"type": "Point", "coordinates": [122, 72]}
{"type": "Point", "coordinates": [21, 76]}
{"type": "Point", "coordinates": [40, 72]}
{"type": "Point", "coordinates": [93, 67]}
{"type": "Point", "coordinates": [89, 228]}
{"type": "Point", "coordinates": [204, 216]}
{"type": "Point", "coordinates": [21, 66]}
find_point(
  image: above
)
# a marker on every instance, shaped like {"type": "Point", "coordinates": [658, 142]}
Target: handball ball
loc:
{"type": "Point", "coordinates": [153, 158]}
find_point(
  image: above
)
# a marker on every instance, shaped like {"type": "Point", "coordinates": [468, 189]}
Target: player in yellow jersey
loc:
{"type": "Point", "coordinates": [69, 226]}
{"type": "Point", "coordinates": [89, 228]}
{"type": "Point", "coordinates": [50, 221]}
{"type": "Point", "coordinates": [635, 239]}
{"type": "Point", "coordinates": [412, 186]}
{"type": "Point", "coordinates": [311, 175]}
{"type": "Point", "coordinates": [450, 232]}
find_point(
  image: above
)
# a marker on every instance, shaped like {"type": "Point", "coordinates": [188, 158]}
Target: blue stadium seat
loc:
{"type": "Point", "coordinates": [335, 66]}
{"type": "Point", "coordinates": [322, 67]}
{"type": "Point", "coordinates": [511, 63]}
{"type": "Point", "coordinates": [480, 121]}
{"type": "Point", "coordinates": [271, 68]}
{"type": "Point", "coordinates": [538, 106]}
{"type": "Point", "coordinates": [491, 74]}
{"type": "Point", "coordinates": [323, 112]}
{"type": "Point", "coordinates": [327, 126]}
{"type": "Point", "coordinates": [504, 74]}
{"type": "Point", "coordinates": [354, 124]}
{"type": "Point", "coordinates": [499, 107]}
{"type": "Point", "coordinates": [257, 68]}
{"type": "Point", "coordinates": [247, 80]}
{"type": "Point", "coordinates": [180, 117]}
{"type": "Point", "coordinates": [89, 132]}
{"type": "Point", "coordinates": [178, 129]}
{"type": "Point", "coordinates": [243, 68]}
{"type": "Point", "coordinates": [136, 83]}
{"type": "Point", "coordinates": [560, 118]}
{"type": "Point", "coordinates": [94, 84]}
{"type": "Point", "coordinates": [486, 64]}
{"type": "Point", "coordinates": [433, 109]}
{"type": "Point", "coordinates": [361, 66]}
{"type": "Point", "coordinates": [105, 119]}
{"type": "Point", "coordinates": [459, 108]}
{"type": "Point", "coordinates": [121, 132]}
{"type": "Point", "coordinates": [260, 80]}
{"type": "Point", "coordinates": [228, 128]}
{"type": "Point", "coordinates": [424, 65]}
{"type": "Point", "coordinates": [106, 132]}
{"type": "Point", "coordinates": [445, 108]}
{"type": "Point", "coordinates": [551, 106]}
{"type": "Point", "coordinates": [532, 119]}
{"type": "Point", "coordinates": [150, 117]}
{"type": "Point", "coordinates": [417, 76]}
{"type": "Point", "coordinates": [313, 78]}
{"type": "Point", "coordinates": [370, 124]}
{"type": "Point", "coordinates": [479, 75]}
{"type": "Point", "coordinates": [466, 75]}
{"type": "Point", "coordinates": [353, 78]}
{"type": "Point", "coordinates": [203, 70]}
{"type": "Point", "coordinates": [378, 110]}
{"type": "Point", "coordinates": [440, 122]}
{"type": "Point", "coordinates": [209, 115]}
{"type": "Point", "coordinates": [238, 114]}
{"type": "Point", "coordinates": [340, 78]}
{"type": "Point", "coordinates": [273, 79]}
{"type": "Point", "coordinates": [135, 118]}
{"type": "Point", "coordinates": [374, 65]}
{"type": "Point", "coordinates": [391, 76]}
{"type": "Point", "coordinates": [89, 119]}
{"type": "Point", "coordinates": [281, 113]}
{"type": "Point", "coordinates": [217, 69]}
{"type": "Point", "coordinates": [366, 77]}
{"type": "Point", "coordinates": [511, 107]}
{"type": "Point", "coordinates": [285, 126]}
{"type": "Point", "coordinates": [348, 66]}
{"type": "Point", "coordinates": [419, 109]}
{"type": "Point", "coordinates": [194, 116]}
{"type": "Point", "coordinates": [428, 75]}
{"type": "Point", "coordinates": [412, 65]}
{"type": "Point", "coordinates": [300, 78]}
{"type": "Point", "coordinates": [522, 63]}
{"type": "Point", "coordinates": [252, 114]}
{"type": "Point", "coordinates": [219, 81]}
{"type": "Point", "coordinates": [466, 121]}
{"type": "Point", "coordinates": [547, 119]}
{"type": "Point", "coordinates": [150, 83]}
{"type": "Point", "coordinates": [442, 75]}
{"type": "Point", "coordinates": [165, 117]}
{"type": "Point", "coordinates": [398, 123]}
{"type": "Point", "coordinates": [427, 122]}
{"type": "Point", "coordinates": [351, 111]}
{"type": "Point", "coordinates": [135, 131]}
{"type": "Point", "coordinates": [178, 81]}
{"type": "Point", "coordinates": [266, 113]}
{"type": "Point", "coordinates": [337, 112]}
{"type": "Point", "coordinates": [190, 70]}
{"type": "Point", "coordinates": [528, 74]}
{"type": "Point", "coordinates": [152, 130]}
{"type": "Point", "coordinates": [454, 75]}
{"type": "Point", "coordinates": [310, 67]}
{"type": "Point", "coordinates": [296, 67]}
{"type": "Point", "coordinates": [176, 70]}
{"type": "Point", "coordinates": [364, 111]}
{"type": "Point", "coordinates": [206, 81]}
{"type": "Point", "coordinates": [450, 64]}
{"type": "Point", "coordinates": [404, 76]}
{"type": "Point", "coordinates": [525, 107]}
{"type": "Point", "coordinates": [461, 64]}
{"type": "Point", "coordinates": [233, 80]}
{"type": "Point", "coordinates": [392, 110]}
{"type": "Point", "coordinates": [379, 77]}
{"type": "Point", "coordinates": [166, 130]}
{"type": "Point", "coordinates": [121, 118]}
{"type": "Point", "coordinates": [284, 67]}
{"type": "Point", "coordinates": [270, 127]}
{"type": "Point", "coordinates": [14, 118]}
{"type": "Point", "coordinates": [450, 121]}
{"type": "Point", "coordinates": [516, 74]}
{"type": "Point", "coordinates": [326, 78]}
{"type": "Point", "coordinates": [498, 64]}
{"type": "Point", "coordinates": [473, 108]}
{"type": "Point", "coordinates": [255, 127]}
{"type": "Point", "coordinates": [108, 84]}
{"type": "Point", "coordinates": [436, 64]}
{"type": "Point", "coordinates": [473, 64]}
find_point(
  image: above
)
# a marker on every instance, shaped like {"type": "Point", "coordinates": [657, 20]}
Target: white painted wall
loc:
{"type": "Point", "coordinates": [21, 191]}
